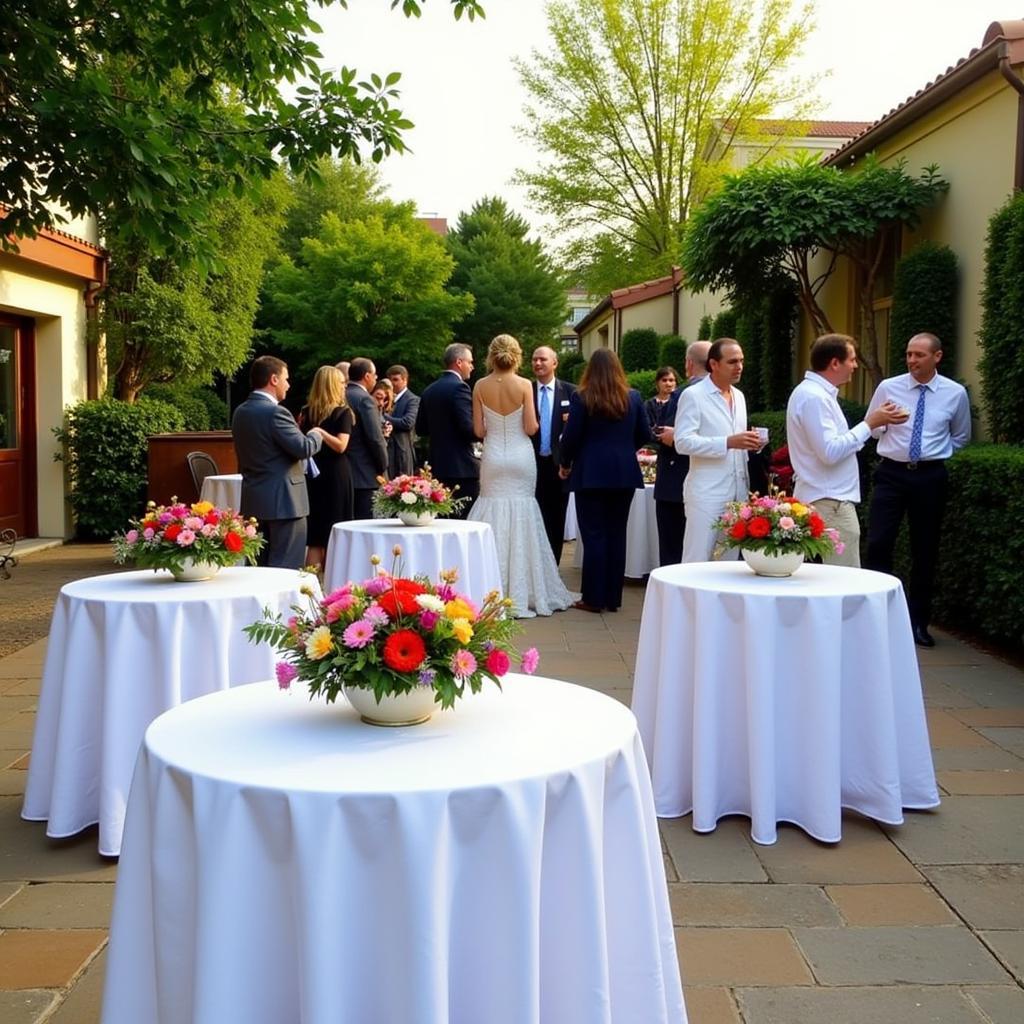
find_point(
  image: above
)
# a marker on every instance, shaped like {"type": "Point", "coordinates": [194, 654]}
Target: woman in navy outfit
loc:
{"type": "Point", "coordinates": [607, 424]}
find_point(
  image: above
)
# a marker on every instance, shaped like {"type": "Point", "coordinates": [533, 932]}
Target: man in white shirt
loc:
{"type": "Point", "coordinates": [711, 427]}
{"type": "Point", "coordinates": [822, 447]}
{"type": "Point", "coordinates": [911, 477]}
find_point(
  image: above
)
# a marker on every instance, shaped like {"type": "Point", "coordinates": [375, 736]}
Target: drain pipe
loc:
{"type": "Point", "coordinates": [1006, 70]}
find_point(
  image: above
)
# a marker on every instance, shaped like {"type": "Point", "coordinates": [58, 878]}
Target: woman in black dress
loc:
{"type": "Point", "coordinates": [330, 493]}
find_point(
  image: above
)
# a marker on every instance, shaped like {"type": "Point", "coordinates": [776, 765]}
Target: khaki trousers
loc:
{"type": "Point", "coordinates": [841, 516]}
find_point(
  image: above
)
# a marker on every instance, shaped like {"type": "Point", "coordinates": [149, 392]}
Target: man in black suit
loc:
{"type": "Point", "coordinates": [270, 449]}
{"type": "Point", "coordinates": [403, 423]}
{"type": "Point", "coordinates": [551, 400]}
{"type": "Point", "coordinates": [367, 450]}
{"type": "Point", "coordinates": [672, 467]}
{"type": "Point", "coordinates": [445, 418]}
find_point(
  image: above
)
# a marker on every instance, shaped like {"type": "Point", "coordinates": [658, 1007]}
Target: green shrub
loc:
{"type": "Point", "coordinates": [192, 408]}
{"type": "Point", "coordinates": [643, 381]}
{"type": "Point", "coordinates": [568, 362]}
{"type": "Point", "coordinates": [780, 315]}
{"type": "Point", "coordinates": [924, 295]}
{"type": "Point", "coordinates": [774, 420]}
{"type": "Point", "coordinates": [639, 349]}
{"type": "Point", "coordinates": [575, 373]}
{"type": "Point", "coordinates": [1002, 323]}
{"type": "Point", "coordinates": [723, 326]}
{"type": "Point", "coordinates": [105, 449]}
{"type": "Point", "coordinates": [672, 352]}
{"type": "Point", "coordinates": [216, 408]}
{"type": "Point", "coordinates": [706, 326]}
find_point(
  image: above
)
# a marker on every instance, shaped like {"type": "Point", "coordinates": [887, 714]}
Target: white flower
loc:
{"type": "Point", "coordinates": [430, 602]}
{"type": "Point", "coordinates": [408, 498]}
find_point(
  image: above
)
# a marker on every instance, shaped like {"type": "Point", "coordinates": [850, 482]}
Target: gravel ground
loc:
{"type": "Point", "coordinates": [27, 598]}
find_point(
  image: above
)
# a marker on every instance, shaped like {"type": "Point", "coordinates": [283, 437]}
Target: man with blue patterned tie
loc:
{"type": "Point", "coordinates": [911, 477]}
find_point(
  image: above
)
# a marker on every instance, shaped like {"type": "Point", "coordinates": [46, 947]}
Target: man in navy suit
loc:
{"type": "Point", "coordinates": [671, 469]}
{"type": "Point", "coordinates": [445, 418]}
{"type": "Point", "coordinates": [367, 450]}
{"type": "Point", "coordinates": [551, 400]}
{"type": "Point", "coordinates": [403, 423]}
{"type": "Point", "coordinates": [270, 449]}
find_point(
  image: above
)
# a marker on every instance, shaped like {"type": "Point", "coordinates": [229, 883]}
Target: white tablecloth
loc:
{"type": "Point", "coordinates": [122, 649]}
{"type": "Point", "coordinates": [497, 865]}
{"type": "Point", "coordinates": [569, 533]}
{"type": "Point", "coordinates": [781, 699]}
{"type": "Point", "coordinates": [641, 536]}
{"type": "Point", "coordinates": [223, 490]}
{"type": "Point", "coordinates": [426, 550]}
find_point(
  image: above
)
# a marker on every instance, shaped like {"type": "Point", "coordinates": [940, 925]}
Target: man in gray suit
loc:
{"type": "Point", "coordinates": [270, 449]}
{"type": "Point", "coordinates": [401, 443]}
{"type": "Point", "coordinates": [367, 449]}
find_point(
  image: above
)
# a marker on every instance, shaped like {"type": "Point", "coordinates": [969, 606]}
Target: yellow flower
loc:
{"type": "Point", "coordinates": [202, 507]}
{"type": "Point", "coordinates": [462, 629]}
{"type": "Point", "coordinates": [798, 509]}
{"type": "Point", "coordinates": [458, 609]}
{"type": "Point", "coordinates": [319, 643]}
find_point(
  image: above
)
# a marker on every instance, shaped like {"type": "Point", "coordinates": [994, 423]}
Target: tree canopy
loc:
{"type": "Point", "coordinates": [372, 286]}
{"type": "Point", "coordinates": [513, 283]}
{"type": "Point", "coordinates": [88, 121]}
{"type": "Point", "coordinates": [636, 107]}
{"type": "Point", "coordinates": [781, 217]}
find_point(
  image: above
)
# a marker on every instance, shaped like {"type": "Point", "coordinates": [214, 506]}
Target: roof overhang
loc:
{"type": "Point", "coordinates": [66, 253]}
{"type": "Point", "coordinates": [631, 295]}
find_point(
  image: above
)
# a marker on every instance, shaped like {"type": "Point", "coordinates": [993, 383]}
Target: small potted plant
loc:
{"type": "Point", "coordinates": [416, 500]}
{"type": "Point", "coordinates": [193, 542]}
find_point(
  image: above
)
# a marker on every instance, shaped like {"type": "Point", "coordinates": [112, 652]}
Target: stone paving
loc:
{"type": "Point", "coordinates": [917, 924]}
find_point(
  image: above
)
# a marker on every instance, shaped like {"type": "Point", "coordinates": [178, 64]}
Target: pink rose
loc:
{"type": "Point", "coordinates": [787, 522]}
{"type": "Point", "coordinates": [148, 533]}
{"type": "Point", "coordinates": [746, 512]}
{"type": "Point", "coordinates": [186, 538]}
{"type": "Point", "coordinates": [132, 536]}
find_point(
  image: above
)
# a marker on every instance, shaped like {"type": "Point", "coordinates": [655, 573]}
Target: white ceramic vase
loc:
{"type": "Point", "coordinates": [410, 708]}
{"type": "Point", "coordinates": [192, 571]}
{"type": "Point", "coordinates": [773, 565]}
{"type": "Point", "coordinates": [416, 518]}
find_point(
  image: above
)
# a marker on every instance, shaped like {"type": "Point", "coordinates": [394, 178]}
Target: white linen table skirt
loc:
{"type": "Point", "coordinates": [122, 649]}
{"type": "Point", "coordinates": [426, 550]}
{"type": "Point", "coordinates": [781, 699]}
{"type": "Point", "coordinates": [500, 864]}
{"type": "Point", "coordinates": [223, 490]}
{"type": "Point", "coordinates": [641, 536]}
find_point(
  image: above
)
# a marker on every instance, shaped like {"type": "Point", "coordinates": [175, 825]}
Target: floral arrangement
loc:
{"type": "Point", "coordinates": [648, 464]}
{"type": "Point", "coordinates": [168, 535]}
{"type": "Point", "coordinates": [390, 634]}
{"type": "Point", "coordinates": [776, 524]}
{"type": "Point", "coordinates": [417, 495]}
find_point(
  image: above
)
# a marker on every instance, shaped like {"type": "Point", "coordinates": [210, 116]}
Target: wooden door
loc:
{"type": "Point", "coordinates": [17, 426]}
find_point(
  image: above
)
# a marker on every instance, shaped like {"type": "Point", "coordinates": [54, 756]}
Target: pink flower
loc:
{"type": "Point", "coordinates": [428, 620]}
{"type": "Point", "coordinates": [376, 615]}
{"type": "Point", "coordinates": [335, 594]}
{"type": "Point", "coordinates": [377, 585]}
{"type": "Point", "coordinates": [165, 518]}
{"type": "Point", "coordinates": [132, 536]}
{"type": "Point", "coordinates": [530, 661]}
{"type": "Point", "coordinates": [186, 538]}
{"type": "Point", "coordinates": [423, 488]}
{"type": "Point", "coordinates": [285, 672]}
{"type": "Point", "coordinates": [437, 496]}
{"type": "Point", "coordinates": [765, 503]}
{"type": "Point", "coordinates": [787, 522]}
{"type": "Point", "coordinates": [148, 533]}
{"type": "Point", "coordinates": [446, 593]}
{"type": "Point", "coordinates": [208, 530]}
{"type": "Point", "coordinates": [250, 530]}
{"type": "Point", "coordinates": [194, 522]}
{"type": "Point", "coordinates": [335, 611]}
{"type": "Point", "coordinates": [746, 512]}
{"type": "Point", "coordinates": [463, 663]}
{"type": "Point", "coordinates": [498, 662]}
{"type": "Point", "coordinates": [359, 634]}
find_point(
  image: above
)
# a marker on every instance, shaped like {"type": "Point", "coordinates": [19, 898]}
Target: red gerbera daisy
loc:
{"type": "Point", "coordinates": [401, 598]}
{"type": "Point", "coordinates": [404, 651]}
{"type": "Point", "coordinates": [759, 527]}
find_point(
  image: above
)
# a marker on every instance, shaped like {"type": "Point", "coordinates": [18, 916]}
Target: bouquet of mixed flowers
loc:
{"type": "Point", "coordinates": [776, 524]}
{"type": "Point", "coordinates": [391, 634]}
{"type": "Point", "coordinates": [415, 495]}
{"type": "Point", "coordinates": [648, 464]}
{"type": "Point", "coordinates": [169, 535]}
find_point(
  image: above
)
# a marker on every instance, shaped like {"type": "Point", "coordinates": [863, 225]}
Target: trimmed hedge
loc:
{"type": "Point", "coordinates": [724, 325]}
{"type": "Point", "coordinates": [672, 352]}
{"type": "Point", "coordinates": [705, 327]}
{"type": "Point", "coordinates": [570, 363]}
{"type": "Point", "coordinates": [639, 349]}
{"type": "Point", "coordinates": [924, 295]}
{"type": "Point", "coordinates": [105, 450]}
{"type": "Point", "coordinates": [643, 381]}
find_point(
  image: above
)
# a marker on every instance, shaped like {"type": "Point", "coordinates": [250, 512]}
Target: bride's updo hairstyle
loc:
{"type": "Point", "coordinates": [504, 354]}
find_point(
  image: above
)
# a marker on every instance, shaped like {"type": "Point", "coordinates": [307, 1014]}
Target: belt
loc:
{"type": "Point", "coordinates": [913, 465]}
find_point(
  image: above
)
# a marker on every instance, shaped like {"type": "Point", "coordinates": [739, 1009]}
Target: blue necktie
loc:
{"type": "Point", "coordinates": [917, 429]}
{"type": "Point", "coordinates": [545, 421]}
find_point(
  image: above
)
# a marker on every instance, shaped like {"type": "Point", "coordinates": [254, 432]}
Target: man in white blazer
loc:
{"type": "Point", "coordinates": [711, 428]}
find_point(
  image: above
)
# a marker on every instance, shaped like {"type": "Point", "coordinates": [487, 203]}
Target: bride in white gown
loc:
{"type": "Point", "coordinates": [503, 414]}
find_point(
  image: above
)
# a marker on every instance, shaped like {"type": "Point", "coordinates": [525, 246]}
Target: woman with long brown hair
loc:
{"type": "Point", "coordinates": [330, 493]}
{"type": "Point", "coordinates": [607, 424]}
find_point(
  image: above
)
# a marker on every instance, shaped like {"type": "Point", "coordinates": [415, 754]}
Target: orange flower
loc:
{"type": "Point", "coordinates": [404, 651]}
{"type": "Point", "coordinates": [233, 542]}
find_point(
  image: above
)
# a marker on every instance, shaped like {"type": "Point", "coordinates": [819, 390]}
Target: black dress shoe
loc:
{"type": "Point", "coordinates": [584, 607]}
{"type": "Point", "coordinates": [922, 637]}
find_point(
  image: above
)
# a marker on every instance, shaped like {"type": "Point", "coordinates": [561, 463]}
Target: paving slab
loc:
{"type": "Point", "coordinates": [750, 906]}
{"type": "Point", "coordinates": [1009, 947]}
{"type": "Point", "coordinates": [991, 716]}
{"type": "Point", "coordinates": [992, 685]}
{"type": "Point", "coordinates": [85, 1000]}
{"type": "Point", "coordinates": [985, 896]}
{"type": "Point", "coordinates": [59, 905]}
{"type": "Point", "coordinates": [999, 783]}
{"type": "Point", "coordinates": [1011, 739]}
{"type": "Point", "coordinates": [942, 695]}
{"type": "Point", "coordinates": [891, 956]}
{"type": "Point", "coordinates": [725, 855]}
{"type": "Point", "coordinates": [711, 1006]}
{"type": "Point", "coordinates": [864, 855]}
{"type": "Point", "coordinates": [855, 1005]}
{"type": "Point", "coordinates": [747, 956]}
{"type": "Point", "coordinates": [25, 1007]}
{"type": "Point", "coordinates": [945, 730]}
{"type": "Point", "coordinates": [981, 759]}
{"type": "Point", "coordinates": [45, 959]}
{"type": "Point", "coordinates": [1002, 1005]}
{"type": "Point", "coordinates": [965, 830]}
{"type": "Point", "coordinates": [12, 782]}
{"type": "Point", "coordinates": [895, 905]}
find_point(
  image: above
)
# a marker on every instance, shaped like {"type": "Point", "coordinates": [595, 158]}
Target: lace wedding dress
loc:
{"type": "Point", "coordinates": [508, 476]}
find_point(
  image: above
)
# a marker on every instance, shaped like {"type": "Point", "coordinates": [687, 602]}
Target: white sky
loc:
{"type": "Point", "coordinates": [461, 91]}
